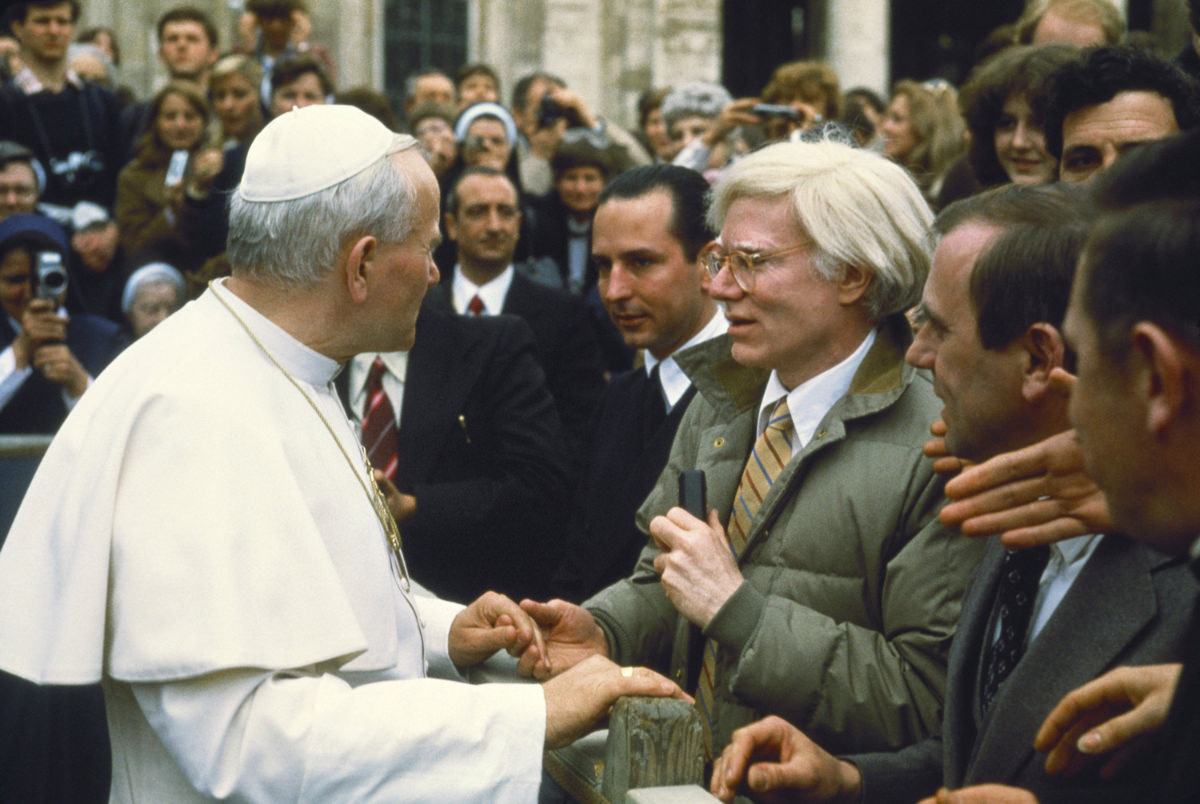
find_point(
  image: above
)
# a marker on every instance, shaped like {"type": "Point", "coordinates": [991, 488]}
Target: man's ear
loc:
{"type": "Point", "coordinates": [451, 226]}
{"type": "Point", "coordinates": [357, 262]}
{"type": "Point", "coordinates": [852, 284]}
{"type": "Point", "coordinates": [1163, 373]}
{"type": "Point", "coordinates": [1044, 351]}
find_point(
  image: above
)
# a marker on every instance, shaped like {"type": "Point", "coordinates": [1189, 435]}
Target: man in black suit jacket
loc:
{"type": "Point", "coordinates": [648, 231]}
{"type": "Point", "coordinates": [483, 218]}
{"type": "Point", "coordinates": [47, 360]}
{"type": "Point", "coordinates": [480, 485]}
{"type": "Point", "coordinates": [1094, 602]}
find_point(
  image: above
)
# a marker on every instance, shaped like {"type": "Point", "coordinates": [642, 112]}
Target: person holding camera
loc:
{"type": "Point", "coordinates": [48, 359]}
{"type": "Point", "coordinates": [72, 126]}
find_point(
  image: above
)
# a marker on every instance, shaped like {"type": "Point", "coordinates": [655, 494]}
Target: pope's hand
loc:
{"type": "Point", "coordinates": [580, 699]}
{"type": "Point", "coordinates": [697, 568]}
{"type": "Point", "coordinates": [491, 623]}
{"type": "Point", "coordinates": [571, 636]}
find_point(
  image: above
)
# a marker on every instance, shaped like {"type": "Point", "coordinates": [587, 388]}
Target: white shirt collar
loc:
{"type": "Point", "coordinates": [492, 293]}
{"type": "Point", "coordinates": [670, 376]}
{"type": "Point", "coordinates": [28, 82]}
{"type": "Point", "coordinates": [811, 400]}
{"type": "Point", "coordinates": [296, 359]}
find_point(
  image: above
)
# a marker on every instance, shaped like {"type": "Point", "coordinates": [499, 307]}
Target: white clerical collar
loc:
{"type": "Point", "coordinates": [491, 293]}
{"type": "Point", "coordinates": [809, 401]}
{"type": "Point", "coordinates": [670, 376]}
{"type": "Point", "coordinates": [294, 357]}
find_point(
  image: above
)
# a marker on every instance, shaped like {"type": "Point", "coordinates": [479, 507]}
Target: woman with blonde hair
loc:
{"type": "Point", "coordinates": [233, 86]}
{"type": "Point", "coordinates": [924, 131]}
{"type": "Point", "coordinates": [165, 190]}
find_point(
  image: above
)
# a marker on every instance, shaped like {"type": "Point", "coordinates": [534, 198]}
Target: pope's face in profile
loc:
{"type": "Point", "coordinates": [408, 267]}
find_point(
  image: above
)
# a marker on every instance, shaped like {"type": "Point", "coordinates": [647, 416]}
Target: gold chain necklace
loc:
{"type": "Point", "coordinates": [374, 495]}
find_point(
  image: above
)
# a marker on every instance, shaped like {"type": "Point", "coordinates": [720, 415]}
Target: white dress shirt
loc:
{"type": "Point", "coordinates": [670, 376]}
{"type": "Point", "coordinates": [492, 293]}
{"type": "Point", "coordinates": [809, 401]}
{"type": "Point", "coordinates": [392, 379]}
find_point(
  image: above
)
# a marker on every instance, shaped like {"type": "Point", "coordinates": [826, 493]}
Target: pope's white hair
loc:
{"type": "Point", "coordinates": [294, 243]}
{"type": "Point", "coordinates": [859, 208]}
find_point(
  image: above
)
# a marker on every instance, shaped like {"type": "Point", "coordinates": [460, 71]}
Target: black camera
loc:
{"type": "Point", "coordinates": [79, 170]}
{"type": "Point", "coordinates": [51, 277]}
{"type": "Point", "coordinates": [549, 111]}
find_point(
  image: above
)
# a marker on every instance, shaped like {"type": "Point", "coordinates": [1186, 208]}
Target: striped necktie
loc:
{"type": "Point", "coordinates": [379, 423]}
{"type": "Point", "coordinates": [771, 453]}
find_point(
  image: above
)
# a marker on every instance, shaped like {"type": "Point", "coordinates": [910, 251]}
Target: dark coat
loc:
{"type": "Point", "coordinates": [1129, 605]}
{"type": "Point", "coordinates": [481, 449]}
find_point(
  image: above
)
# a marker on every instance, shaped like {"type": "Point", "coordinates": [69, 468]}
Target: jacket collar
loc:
{"type": "Point", "coordinates": [880, 379]}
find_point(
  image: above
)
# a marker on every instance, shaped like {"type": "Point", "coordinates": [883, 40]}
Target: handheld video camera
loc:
{"type": "Point", "coordinates": [51, 277]}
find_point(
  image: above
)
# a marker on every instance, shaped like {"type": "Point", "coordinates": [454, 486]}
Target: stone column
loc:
{"type": "Point", "coordinates": [857, 38]}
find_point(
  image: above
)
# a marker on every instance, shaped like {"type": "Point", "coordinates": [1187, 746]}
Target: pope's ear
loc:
{"type": "Point", "coordinates": [357, 262]}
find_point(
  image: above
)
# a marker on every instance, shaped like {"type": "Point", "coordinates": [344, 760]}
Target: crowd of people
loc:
{"type": "Point", "coordinates": [342, 410]}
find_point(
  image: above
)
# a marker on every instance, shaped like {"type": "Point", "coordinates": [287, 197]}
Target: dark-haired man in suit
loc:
{"type": "Point", "coordinates": [483, 218]}
{"type": "Point", "coordinates": [479, 479]}
{"type": "Point", "coordinates": [647, 235]}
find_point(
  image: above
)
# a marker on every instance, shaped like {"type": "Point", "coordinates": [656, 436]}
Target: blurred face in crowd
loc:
{"type": "Point", "coordinates": [46, 32]}
{"type": "Point", "coordinates": [16, 282]}
{"type": "Point", "coordinates": [899, 138]}
{"type": "Point", "coordinates": [1057, 26]}
{"type": "Point", "coordinates": [579, 187]}
{"type": "Point", "coordinates": [304, 91]}
{"type": "Point", "coordinates": [151, 305]}
{"type": "Point", "coordinates": [656, 133]}
{"type": "Point", "coordinates": [485, 222]}
{"type": "Point", "coordinates": [97, 246]}
{"type": "Point", "coordinates": [437, 140]}
{"type": "Point", "coordinates": [486, 144]}
{"type": "Point", "coordinates": [236, 104]}
{"type": "Point", "coordinates": [477, 88]}
{"type": "Point", "coordinates": [687, 130]}
{"type": "Point", "coordinates": [1093, 137]}
{"type": "Point", "coordinates": [980, 387]}
{"type": "Point", "coordinates": [276, 28]}
{"type": "Point", "coordinates": [185, 49]}
{"type": "Point", "coordinates": [435, 88]}
{"type": "Point", "coordinates": [1021, 144]}
{"type": "Point", "coordinates": [179, 124]}
{"type": "Point", "coordinates": [18, 189]}
{"type": "Point", "coordinates": [650, 290]}
{"type": "Point", "coordinates": [527, 117]}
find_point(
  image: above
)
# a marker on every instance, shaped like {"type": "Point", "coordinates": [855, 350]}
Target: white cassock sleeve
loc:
{"type": "Point", "coordinates": [272, 737]}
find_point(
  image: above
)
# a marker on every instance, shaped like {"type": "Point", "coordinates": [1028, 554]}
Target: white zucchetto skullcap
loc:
{"type": "Point", "coordinates": [307, 150]}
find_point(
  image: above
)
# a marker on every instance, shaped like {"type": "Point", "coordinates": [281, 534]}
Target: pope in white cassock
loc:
{"type": "Point", "coordinates": [204, 537]}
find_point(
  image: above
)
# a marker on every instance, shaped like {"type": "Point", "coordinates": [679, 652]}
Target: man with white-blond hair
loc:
{"type": "Point", "coordinates": [821, 585]}
{"type": "Point", "coordinates": [205, 538]}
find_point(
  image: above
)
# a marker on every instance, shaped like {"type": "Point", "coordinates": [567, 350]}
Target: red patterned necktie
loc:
{"type": "Point", "coordinates": [771, 453]}
{"type": "Point", "coordinates": [379, 423]}
{"type": "Point", "coordinates": [475, 306]}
